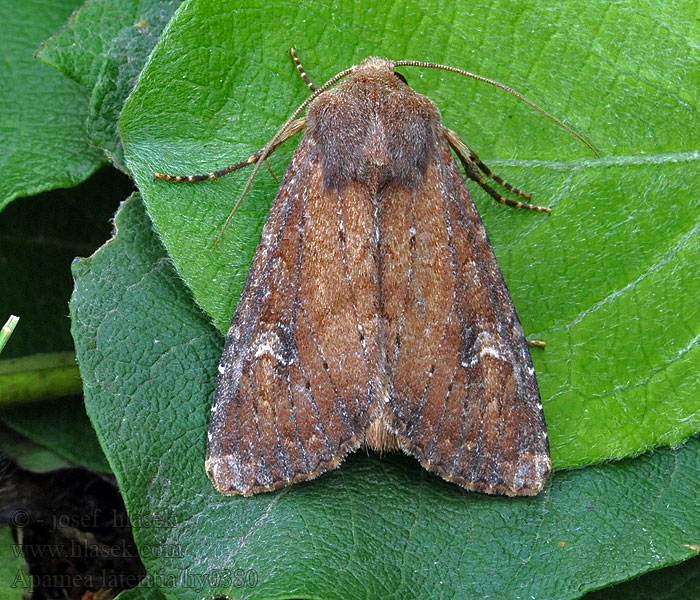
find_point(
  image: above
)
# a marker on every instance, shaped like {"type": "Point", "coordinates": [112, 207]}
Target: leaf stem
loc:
{"type": "Point", "coordinates": [38, 377]}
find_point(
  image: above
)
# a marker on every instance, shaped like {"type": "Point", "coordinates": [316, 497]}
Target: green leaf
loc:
{"type": "Point", "coordinates": [59, 425]}
{"type": "Point", "coordinates": [104, 47]}
{"type": "Point", "coordinates": [42, 131]}
{"type": "Point", "coordinates": [681, 581]}
{"type": "Point", "coordinates": [29, 455]}
{"type": "Point", "coordinates": [144, 591]}
{"type": "Point", "coordinates": [609, 280]}
{"type": "Point", "coordinates": [376, 526]}
{"type": "Point", "coordinates": [15, 581]}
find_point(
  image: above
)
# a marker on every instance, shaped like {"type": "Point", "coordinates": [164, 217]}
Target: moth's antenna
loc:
{"type": "Point", "coordinates": [498, 84]}
{"type": "Point", "coordinates": [300, 70]}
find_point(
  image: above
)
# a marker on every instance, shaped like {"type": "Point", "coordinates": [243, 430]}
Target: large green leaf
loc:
{"type": "Point", "coordinates": [609, 280]}
{"type": "Point", "coordinates": [43, 144]}
{"type": "Point", "coordinates": [374, 527]}
{"type": "Point", "coordinates": [104, 47]}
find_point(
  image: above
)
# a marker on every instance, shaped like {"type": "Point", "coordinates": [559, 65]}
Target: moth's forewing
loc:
{"type": "Point", "coordinates": [301, 357]}
{"type": "Point", "coordinates": [465, 398]}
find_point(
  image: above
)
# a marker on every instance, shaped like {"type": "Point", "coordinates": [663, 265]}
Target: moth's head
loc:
{"type": "Point", "coordinates": [374, 68]}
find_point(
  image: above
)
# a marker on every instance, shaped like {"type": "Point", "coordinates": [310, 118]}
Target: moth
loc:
{"type": "Point", "coordinates": [374, 313]}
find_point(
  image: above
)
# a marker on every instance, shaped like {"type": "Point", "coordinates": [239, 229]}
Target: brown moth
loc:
{"type": "Point", "coordinates": [374, 313]}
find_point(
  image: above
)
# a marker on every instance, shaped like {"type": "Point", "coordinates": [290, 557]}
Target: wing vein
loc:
{"type": "Point", "coordinates": [479, 259]}
{"type": "Point", "coordinates": [334, 387]}
{"type": "Point", "coordinates": [297, 307]}
{"type": "Point", "coordinates": [407, 294]}
{"type": "Point", "coordinates": [289, 204]}
{"type": "Point", "coordinates": [447, 194]}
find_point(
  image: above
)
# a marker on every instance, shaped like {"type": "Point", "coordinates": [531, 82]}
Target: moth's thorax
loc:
{"type": "Point", "coordinates": [373, 128]}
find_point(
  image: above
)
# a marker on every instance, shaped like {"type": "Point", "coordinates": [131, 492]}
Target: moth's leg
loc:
{"type": "Point", "coordinates": [300, 69]}
{"type": "Point", "coordinates": [293, 128]}
{"type": "Point", "coordinates": [471, 163]}
{"type": "Point", "coordinates": [490, 174]}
